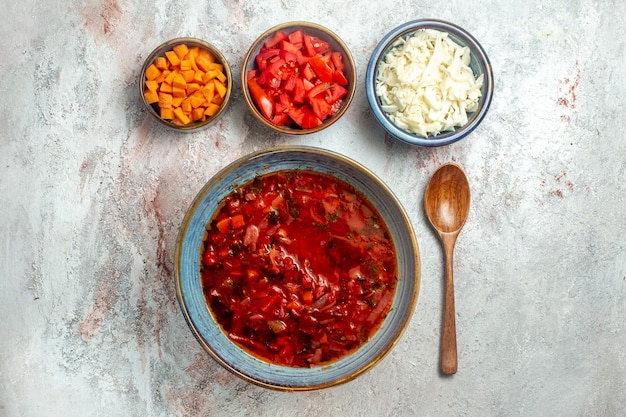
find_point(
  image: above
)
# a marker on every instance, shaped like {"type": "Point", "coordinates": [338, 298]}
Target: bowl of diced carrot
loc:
{"type": "Point", "coordinates": [185, 84]}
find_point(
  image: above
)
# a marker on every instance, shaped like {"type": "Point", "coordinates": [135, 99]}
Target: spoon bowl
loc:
{"type": "Point", "coordinates": [447, 202]}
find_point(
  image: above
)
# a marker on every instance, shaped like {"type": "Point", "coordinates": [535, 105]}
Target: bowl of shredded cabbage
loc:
{"type": "Point", "coordinates": [429, 83]}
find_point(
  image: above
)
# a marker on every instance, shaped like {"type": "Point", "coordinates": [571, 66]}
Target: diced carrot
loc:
{"type": "Point", "coordinates": [152, 72]}
{"type": "Point", "coordinates": [220, 88]}
{"type": "Point", "coordinates": [167, 114]}
{"type": "Point", "coordinates": [307, 296]}
{"type": "Point", "coordinates": [179, 82]}
{"type": "Point", "coordinates": [152, 85]}
{"type": "Point", "coordinates": [178, 111]}
{"type": "Point", "coordinates": [193, 52]}
{"type": "Point", "coordinates": [161, 63]}
{"type": "Point", "coordinates": [181, 50]}
{"type": "Point", "coordinates": [197, 114]}
{"type": "Point", "coordinates": [203, 63]}
{"type": "Point", "coordinates": [173, 58]}
{"type": "Point", "coordinates": [238, 221]}
{"type": "Point", "coordinates": [216, 66]}
{"type": "Point", "coordinates": [165, 100]}
{"type": "Point", "coordinates": [185, 65]}
{"type": "Point", "coordinates": [178, 92]}
{"type": "Point", "coordinates": [192, 88]}
{"type": "Point", "coordinates": [188, 75]}
{"type": "Point", "coordinates": [197, 101]}
{"type": "Point", "coordinates": [170, 78]}
{"type": "Point", "coordinates": [151, 96]}
{"type": "Point", "coordinates": [186, 105]}
{"type": "Point", "coordinates": [206, 54]}
{"type": "Point", "coordinates": [217, 99]}
{"type": "Point", "coordinates": [194, 66]}
{"type": "Point", "coordinates": [197, 76]}
{"type": "Point", "coordinates": [211, 109]}
{"type": "Point", "coordinates": [223, 225]}
{"type": "Point", "coordinates": [209, 76]}
{"type": "Point", "coordinates": [165, 87]}
{"type": "Point", "coordinates": [208, 91]}
{"type": "Point", "coordinates": [176, 101]}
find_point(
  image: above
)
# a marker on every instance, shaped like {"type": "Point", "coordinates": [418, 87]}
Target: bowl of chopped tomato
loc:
{"type": "Point", "coordinates": [298, 78]}
{"type": "Point", "coordinates": [297, 268]}
{"type": "Point", "coordinates": [429, 83]}
{"type": "Point", "coordinates": [185, 84]}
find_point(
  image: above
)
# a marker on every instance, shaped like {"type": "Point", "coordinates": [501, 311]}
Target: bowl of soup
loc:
{"type": "Point", "coordinates": [297, 268]}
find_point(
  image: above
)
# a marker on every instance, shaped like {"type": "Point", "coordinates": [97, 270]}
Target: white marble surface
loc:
{"type": "Point", "coordinates": [93, 192]}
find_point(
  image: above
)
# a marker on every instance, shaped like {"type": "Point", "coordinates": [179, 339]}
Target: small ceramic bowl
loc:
{"type": "Point", "coordinates": [201, 320]}
{"type": "Point", "coordinates": [210, 112]}
{"type": "Point", "coordinates": [479, 63]}
{"type": "Point", "coordinates": [323, 34]}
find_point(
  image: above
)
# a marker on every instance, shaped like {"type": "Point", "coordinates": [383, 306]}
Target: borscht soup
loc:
{"type": "Point", "coordinates": [298, 268]}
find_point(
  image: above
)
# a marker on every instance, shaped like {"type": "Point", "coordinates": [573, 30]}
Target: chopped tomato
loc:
{"type": "Point", "coordinates": [261, 99]}
{"type": "Point", "coordinates": [276, 38]}
{"type": "Point", "coordinates": [318, 89]}
{"type": "Point", "coordinates": [297, 115]}
{"type": "Point", "coordinates": [337, 92]}
{"type": "Point", "coordinates": [264, 57]}
{"type": "Point", "coordinates": [310, 119]}
{"type": "Point", "coordinates": [280, 119]}
{"type": "Point", "coordinates": [296, 37]}
{"type": "Point", "coordinates": [307, 72]}
{"type": "Point", "coordinates": [302, 67]}
{"type": "Point", "coordinates": [298, 92]}
{"type": "Point", "coordinates": [320, 107]}
{"type": "Point", "coordinates": [315, 45]}
{"type": "Point", "coordinates": [290, 83]}
{"type": "Point", "coordinates": [286, 45]}
{"type": "Point", "coordinates": [339, 78]}
{"type": "Point", "coordinates": [337, 60]}
{"type": "Point", "coordinates": [321, 68]}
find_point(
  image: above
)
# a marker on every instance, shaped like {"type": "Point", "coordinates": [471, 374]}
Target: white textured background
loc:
{"type": "Point", "coordinates": [92, 194]}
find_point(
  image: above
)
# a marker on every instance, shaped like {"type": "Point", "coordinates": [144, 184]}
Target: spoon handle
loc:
{"type": "Point", "coordinates": [449, 360]}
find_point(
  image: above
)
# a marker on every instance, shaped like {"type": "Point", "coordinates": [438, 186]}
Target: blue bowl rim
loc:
{"type": "Point", "coordinates": [476, 49]}
{"type": "Point", "coordinates": [405, 316]}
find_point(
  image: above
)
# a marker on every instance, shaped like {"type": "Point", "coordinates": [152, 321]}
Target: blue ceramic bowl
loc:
{"type": "Point", "coordinates": [210, 334]}
{"type": "Point", "coordinates": [479, 63]}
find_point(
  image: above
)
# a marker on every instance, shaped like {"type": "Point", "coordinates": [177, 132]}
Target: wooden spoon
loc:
{"type": "Point", "coordinates": [447, 202]}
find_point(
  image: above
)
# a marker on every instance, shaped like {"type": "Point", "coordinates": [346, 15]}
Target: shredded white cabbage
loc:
{"type": "Point", "coordinates": [425, 83]}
